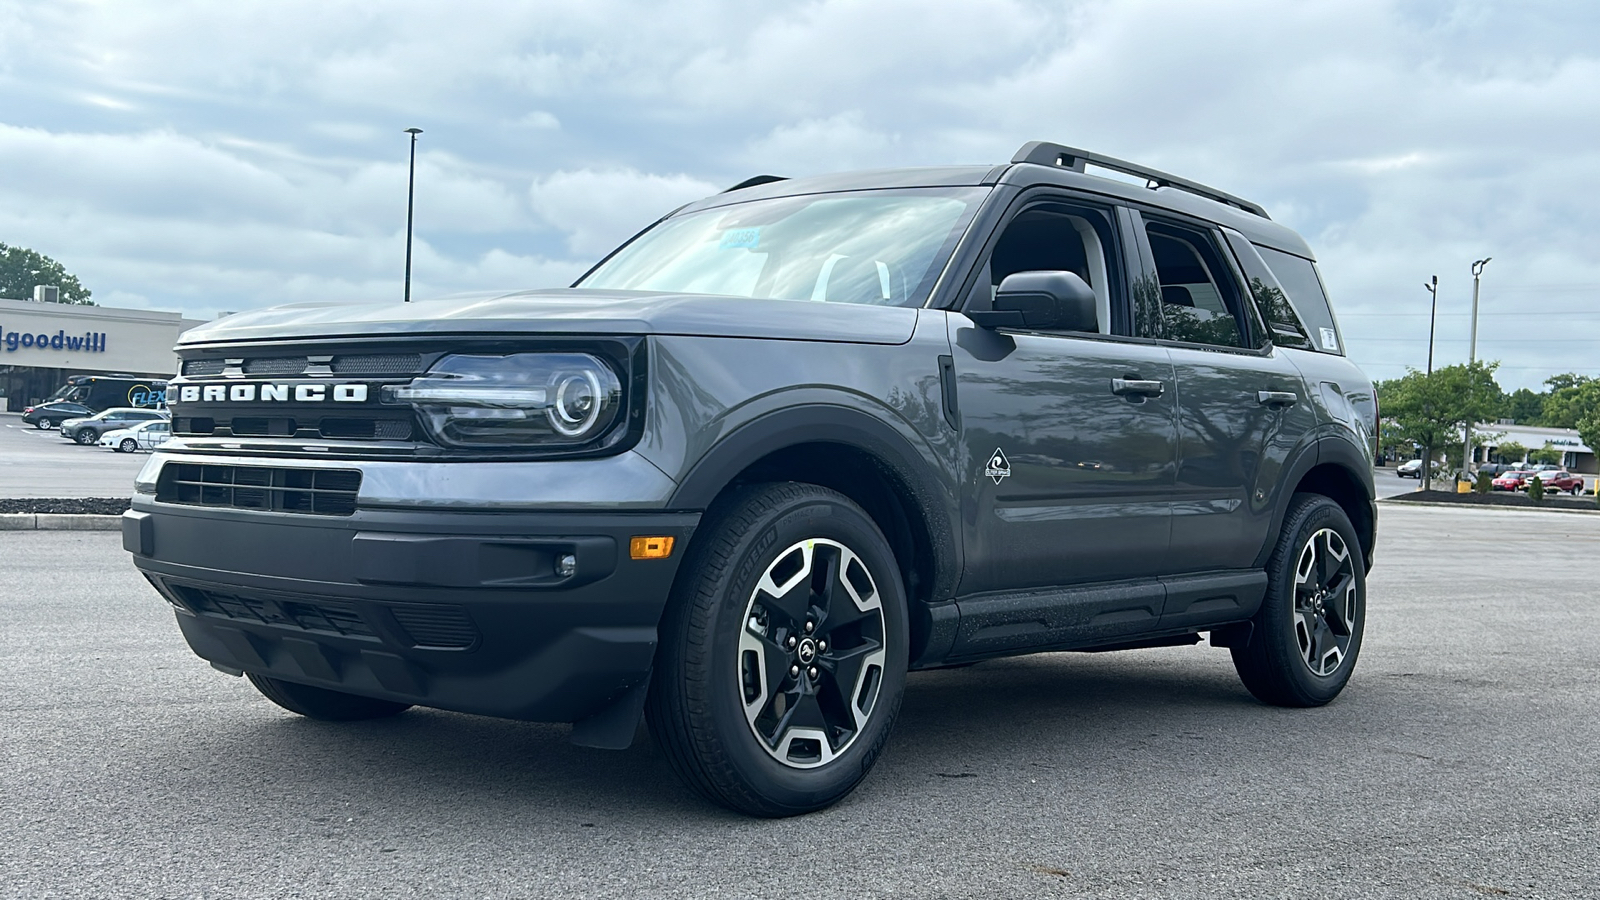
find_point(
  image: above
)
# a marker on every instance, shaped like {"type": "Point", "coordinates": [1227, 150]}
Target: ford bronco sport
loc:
{"type": "Point", "coordinates": [787, 444]}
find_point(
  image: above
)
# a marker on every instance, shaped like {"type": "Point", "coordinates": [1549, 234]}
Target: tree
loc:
{"type": "Point", "coordinates": [1525, 407]}
{"type": "Point", "coordinates": [1545, 454]}
{"type": "Point", "coordinates": [1432, 410]}
{"type": "Point", "coordinates": [1511, 452]}
{"type": "Point", "coordinates": [22, 269]}
{"type": "Point", "coordinates": [1573, 398]}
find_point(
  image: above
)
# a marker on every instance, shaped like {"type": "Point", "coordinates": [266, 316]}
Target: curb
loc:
{"type": "Point", "coordinates": [58, 522]}
{"type": "Point", "coordinates": [1398, 504]}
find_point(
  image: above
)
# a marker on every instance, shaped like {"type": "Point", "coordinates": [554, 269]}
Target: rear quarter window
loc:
{"type": "Point", "coordinates": [1300, 281]}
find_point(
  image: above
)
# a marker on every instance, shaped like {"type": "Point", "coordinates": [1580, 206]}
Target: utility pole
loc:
{"type": "Point", "coordinates": [1433, 315]}
{"type": "Point", "coordinates": [410, 194]}
{"type": "Point", "coordinates": [1472, 357]}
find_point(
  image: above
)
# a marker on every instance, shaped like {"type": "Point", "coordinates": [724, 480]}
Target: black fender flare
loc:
{"type": "Point", "coordinates": [916, 469]}
{"type": "Point", "coordinates": [1327, 449]}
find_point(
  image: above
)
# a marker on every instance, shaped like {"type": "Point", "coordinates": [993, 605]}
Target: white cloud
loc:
{"type": "Point", "coordinates": [597, 210]}
{"type": "Point", "coordinates": [230, 155]}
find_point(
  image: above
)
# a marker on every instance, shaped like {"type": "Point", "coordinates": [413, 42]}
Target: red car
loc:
{"type": "Point", "coordinates": [1514, 480]}
{"type": "Point", "coordinates": [1558, 481]}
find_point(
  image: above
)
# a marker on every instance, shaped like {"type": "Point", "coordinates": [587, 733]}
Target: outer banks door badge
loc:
{"type": "Point", "coordinates": [999, 467]}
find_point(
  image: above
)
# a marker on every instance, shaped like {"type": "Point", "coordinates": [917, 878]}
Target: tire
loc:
{"type": "Point", "coordinates": [1305, 641]}
{"type": "Point", "coordinates": [45, 424]}
{"type": "Point", "coordinates": [321, 703]}
{"type": "Point", "coordinates": [86, 436]}
{"type": "Point", "coordinates": [728, 699]}
{"type": "Point", "coordinates": [127, 445]}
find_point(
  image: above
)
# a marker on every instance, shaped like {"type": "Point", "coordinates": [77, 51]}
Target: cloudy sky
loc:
{"type": "Point", "coordinates": [206, 156]}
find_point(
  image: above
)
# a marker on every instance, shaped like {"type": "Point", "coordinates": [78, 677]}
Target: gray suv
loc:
{"type": "Point", "coordinates": [786, 445]}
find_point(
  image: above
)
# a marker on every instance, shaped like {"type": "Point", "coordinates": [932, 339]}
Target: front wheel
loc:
{"type": "Point", "coordinates": [85, 437]}
{"type": "Point", "coordinates": [128, 445]}
{"type": "Point", "coordinates": [783, 651]}
{"type": "Point", "coordinates": [1308, 631]}
{"type": "Point", "coordinates": [321, 703]}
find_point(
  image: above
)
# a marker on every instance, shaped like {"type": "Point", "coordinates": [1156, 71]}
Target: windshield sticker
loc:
{"type": "Point", "coordinates": [999, 467]}
{"type": "Point", "coordinates": [741, 237]}
{"type": "Point", "coordinates": [1330, 340]}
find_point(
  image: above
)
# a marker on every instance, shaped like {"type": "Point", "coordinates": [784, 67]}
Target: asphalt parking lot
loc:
{"type": "Point", "coordinates": [1459, 763]}
{"type": "Point", "coordinates": [36, 463]}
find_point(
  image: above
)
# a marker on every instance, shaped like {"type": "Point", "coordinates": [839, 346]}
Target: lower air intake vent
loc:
{"type": "Point", "coordinates": [317, 492]}
{"type": "Point", "coordinates": [435, 625]}
{"type": "Point", "coordinates": [320, 616]}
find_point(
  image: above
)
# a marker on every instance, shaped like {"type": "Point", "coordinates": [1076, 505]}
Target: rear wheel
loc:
{"type": "Point", "coordinates": [1308, 631]}
{"type": "Point", "coordinates": [783, 652]}
{"type": "Point", "coordinates": [321, 703]}
{"type": "Point", "coordinates": [45, 424]}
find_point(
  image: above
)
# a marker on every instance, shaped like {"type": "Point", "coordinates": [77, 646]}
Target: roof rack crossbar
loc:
{"type": "Point", "coordinates": [1045, 153]}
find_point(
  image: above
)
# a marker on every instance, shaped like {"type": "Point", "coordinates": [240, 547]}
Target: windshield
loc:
{"type": "Point", "coordinates": [884, 248]}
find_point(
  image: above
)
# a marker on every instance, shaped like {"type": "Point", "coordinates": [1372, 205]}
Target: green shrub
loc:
{"type": "Point", "coordinates": [1536, 489]}
{"type": "Point", "coordinates": [1484, 484]}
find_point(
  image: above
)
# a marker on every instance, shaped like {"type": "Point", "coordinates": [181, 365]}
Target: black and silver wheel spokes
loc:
{"type": "Point", "coordinates": [811, 653]}
{"type": "Point", "coordinates": [1325, 602]}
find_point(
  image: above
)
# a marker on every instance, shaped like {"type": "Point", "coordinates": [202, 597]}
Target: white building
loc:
{"type": "Point", "coordinates": [43, 343]}
{"type": "Point", "coordinates": [1576, 456]}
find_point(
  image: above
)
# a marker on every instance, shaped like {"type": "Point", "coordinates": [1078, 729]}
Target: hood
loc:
{"type": "Point", "coordinates": [570, 311]}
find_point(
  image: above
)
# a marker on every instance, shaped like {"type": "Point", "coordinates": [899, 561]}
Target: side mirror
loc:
{"type": "Point", "coordinates": [1048, 300]}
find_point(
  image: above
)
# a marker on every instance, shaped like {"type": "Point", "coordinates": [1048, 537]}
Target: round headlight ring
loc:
{"type": "Point", "coordinates": [577, 402]}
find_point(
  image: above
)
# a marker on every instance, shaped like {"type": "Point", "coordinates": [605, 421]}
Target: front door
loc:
{"type": "Point", "coordinates": [1069, 438]}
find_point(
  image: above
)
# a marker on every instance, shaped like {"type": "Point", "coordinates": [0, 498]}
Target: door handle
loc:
{"type": "Point", "coordinates": [1123, 387]}
{"type": "Point", "coordinates": [1277, 398]}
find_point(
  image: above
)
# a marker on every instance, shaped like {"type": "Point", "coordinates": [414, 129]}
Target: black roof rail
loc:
{"type": "Point", "coordinates": [753, 181]}
{"type": "Point", "coordinates": [1045, 153]}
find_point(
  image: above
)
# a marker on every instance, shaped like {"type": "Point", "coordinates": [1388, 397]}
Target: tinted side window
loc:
{"type": "Point", "coordinates": [1304, 287]}
{"type": "Point", "coordinates": [1271, 303]}
{"type": "Point", "coordinates": [1199, 301]}
{"type": "Point", "coordinates": [1056, 237]}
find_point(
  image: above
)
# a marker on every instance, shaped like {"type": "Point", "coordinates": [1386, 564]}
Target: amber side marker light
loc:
{"type": "Point", "coordinates": [650, 547]}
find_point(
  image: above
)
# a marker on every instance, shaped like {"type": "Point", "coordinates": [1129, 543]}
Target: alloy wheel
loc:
{"type": "Point", "coordinates": [811, 653]}
{"type": "Point", "coordinates": [1325, 602]}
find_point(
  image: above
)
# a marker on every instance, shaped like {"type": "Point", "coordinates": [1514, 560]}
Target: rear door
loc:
{"type": "Point", "coordinates": [1241, 404]}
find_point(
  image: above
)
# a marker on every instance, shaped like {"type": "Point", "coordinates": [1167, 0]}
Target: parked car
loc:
{"type": "Point", "coordinates": [1412, 468]}
{"type": "Point", "coordinates": [1514, 480]}
{"type": "Point", "coordinates": [1558, 480]}
{"type": "Point", "coordinates": [1495, 470]}
{"type": "Point", "coordinates": [87, 431]}
{"type": "Point", "coordinates": [143, 436]}
{"type": "Point", "coordinates": [46, 416]}
{"type": "Point", "coordinates": [745, 515]}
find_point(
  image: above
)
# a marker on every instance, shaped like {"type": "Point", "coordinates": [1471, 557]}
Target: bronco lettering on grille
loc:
{"type": "Point", "coordinates": [273, 393]}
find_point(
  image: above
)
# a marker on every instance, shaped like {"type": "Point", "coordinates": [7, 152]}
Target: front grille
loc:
{"type": "Point", "coordinates": [378, 364]}
{"type": "Point", "coordinates": [204, 366]}
{"type": "Point", "coordinates": [436, 626]}
{"type": "Point", "coordinates": [275, 365]}
{"type": "Point", "coordinates": [319, 616]}
{"type": "Point", "coordinates": [318, 492]}
{"type": "Point", "coordinates": [349, 364]}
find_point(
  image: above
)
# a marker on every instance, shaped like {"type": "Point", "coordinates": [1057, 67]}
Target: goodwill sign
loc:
{"type": "Point", "coordinates": [89, 341]}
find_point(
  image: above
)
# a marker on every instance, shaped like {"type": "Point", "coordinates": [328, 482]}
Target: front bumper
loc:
{"type": "Point", "coordinates": [449, 609]}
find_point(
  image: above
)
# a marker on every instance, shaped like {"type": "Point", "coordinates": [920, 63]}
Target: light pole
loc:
{"type": "Point", "coordinates": [1472, 357]}
{"type": "Point", "coordinates": [1433, 315]}
{"type": "Point", "coordinates": [411, 190]}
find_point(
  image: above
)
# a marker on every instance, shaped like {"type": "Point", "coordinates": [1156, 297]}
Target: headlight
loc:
{"type": "Point", "coordinates": [516, 400]}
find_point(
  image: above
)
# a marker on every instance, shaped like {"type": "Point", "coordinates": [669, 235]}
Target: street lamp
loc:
{"type": "Point", "coordinates": [411, 189]}
{"type": "Point", "coordinates": [1433, 315]}
{"type": "Point", "coordinates": [1472, 357]}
